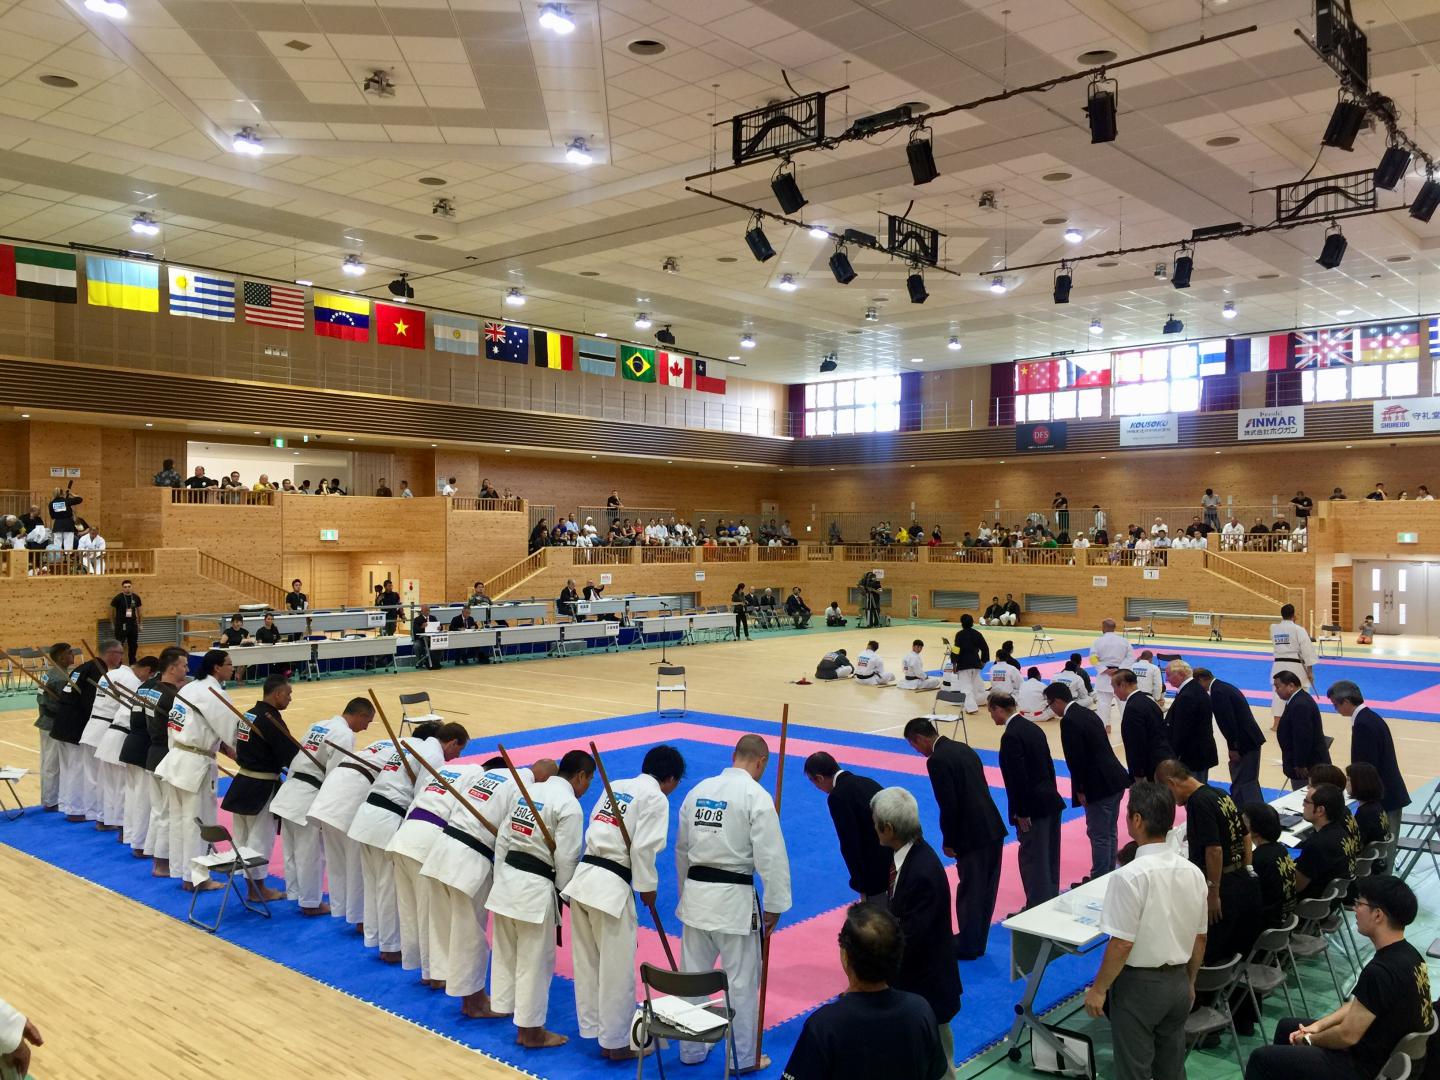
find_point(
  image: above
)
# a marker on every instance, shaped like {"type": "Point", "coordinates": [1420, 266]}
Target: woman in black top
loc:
{"type": "Point", "coordinates": [538, 535]}
{"type": "Point", "coordinates": [235, 633]}
{"type": "Point", "coordinates": [266, 633]}
{"type": "Point", "coordinates": [62, 518]}
{"type": "Point", "coordinates": [1366, 788]}
{"type": "Point", "coordinates": [1271, 862]}
{"type": "Point", "coordinates": [738, 601]}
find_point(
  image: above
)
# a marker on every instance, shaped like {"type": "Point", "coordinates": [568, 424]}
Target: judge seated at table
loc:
{"type": "Point", "coordinates": [465, 620]}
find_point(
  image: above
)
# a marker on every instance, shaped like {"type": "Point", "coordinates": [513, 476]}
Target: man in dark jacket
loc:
{"type": "Point", "coordinates": [797, 609]}
{"type": "Point", "coordinates": [848, 796]}
{"type": "Point", "coordinates": [1370, 741]}
{"type": "Point", "coordinates": [1300, 733]}
{"type": "Point", "coordinates": [1032, 797]}
{"type": "Point", "coordinates": [1243, 737]}
{"type": "Point", "coordinates": [969, 653]}
{"type": "Point", "coordinates": [920, 902]}
{"type": "Point", "coordinates": [971, 829]}
{"type": "Point", "coordinates": [1097, 779]}
{"type": "Point", "coordinates": [1142, 727]}
{"type": "Point", "coordinates": [263, 750]}
{"type": "Point", "coordinates": [1192, 731]}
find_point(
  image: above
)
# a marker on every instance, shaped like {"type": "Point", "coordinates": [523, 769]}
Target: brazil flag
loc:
{"type": "Point", "coordinates": [638, 364]}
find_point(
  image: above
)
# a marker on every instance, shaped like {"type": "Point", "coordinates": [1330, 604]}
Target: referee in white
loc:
{"type": "Point", "coordinates": [1156, 917]}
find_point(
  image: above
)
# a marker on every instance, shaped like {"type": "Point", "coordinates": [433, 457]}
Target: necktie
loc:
{"type": "Point", "coordinates": [890, 887]}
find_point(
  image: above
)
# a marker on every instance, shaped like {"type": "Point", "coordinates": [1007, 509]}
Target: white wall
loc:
{"type": "Point", "coordinates": [220, 459]}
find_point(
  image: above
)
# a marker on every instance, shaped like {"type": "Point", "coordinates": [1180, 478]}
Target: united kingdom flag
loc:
{"type": "Point", "coordinates": [1325, 348]}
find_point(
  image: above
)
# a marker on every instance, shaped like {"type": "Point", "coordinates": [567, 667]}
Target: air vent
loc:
{"type": "Point", "coordinates": [1139, 607]}
{"type": "Point", "coordinates": [1047, 604]}
{"type": "Point", "coordinates": [954, 600]}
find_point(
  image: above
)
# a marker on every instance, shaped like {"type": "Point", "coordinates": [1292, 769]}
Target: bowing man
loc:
{"type": "Point", "coordinates": [603, 925]}
{"type": "Point", "coordinates": [848, 796]}
{"type": "Point", "coordinates": [1032, 798]}
{"type": "Point", "coordinates": [1370, 742]}
{"type": "Point", "coordinates": [1300, 733]}
{"type": "Point", "coordinates": [1142, 727]}
{"type": "Point", "coordinates": [97, 722]}
{"type": "Point", "coordinates": [1097, 779]}
{"type": "Point", "coordinates": [1243, 737]}
{"type": "Point", "coordinates": [263, 750]}
{"type": "Point", "coordinates": [144, 748]}
{"type": "Point", "coordinates": [1192, 730]}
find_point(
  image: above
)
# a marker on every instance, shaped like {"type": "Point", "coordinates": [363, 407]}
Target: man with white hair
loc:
{"type": "Point", "coordinates": [1192, 728]}
{"type": "Point", "coordinates": [1109, 653]}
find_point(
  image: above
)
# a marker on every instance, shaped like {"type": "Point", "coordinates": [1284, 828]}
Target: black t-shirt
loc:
{"type": "Point", "coordinates": [1276, 871]}
{"type": "Point", "coordinates": [296, 601]}
{"type": "Point", "coordinates": [1211, 818]}
{"type": "Point", "coordinates": [1302, 505]}
{"type": "Point", "coordinates": [1372, 823]}
{"type": "Point", "coordinates": [200, 482]}
{"type": "Point", "coordinates": [233, 635]}
{"type": "Point", "coordinates": [1395, 987]}
{"type": "Point", "coordinates": [889, 1033]}
{"type": "Point", "coordinates": [266, 635]}
{"type": "Point", "coordinates": [126, 608]}
{"type": "Point", "coordinates": [1324, 856]}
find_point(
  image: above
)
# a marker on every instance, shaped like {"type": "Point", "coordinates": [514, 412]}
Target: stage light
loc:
{"type": "Point", "coordinates": [921, 152]}
{"type": "Point", "coordinates": [664, 335]}
{"type": "Point", "coordinates": [787, 191]}
{"type": "Point", "coordinates": [1173, 325]}
{"type": "Point", "coordinates": [1096, 326]}
{"type": "Point", "coordinates": [1394, 164]}
{"type": "Point", "coordinates": [840, 266]}
{"type": "Point", "coordinates": [997, 285]}
{"type": "Point", "coordinates": [642, 321]}
{"type": "Point", "coordinates": [915, 286]}
{"type": "Point", "coordinates": [787, 282]}
{"type": "Point", "coordinates": [747, 341]}
{"type": "Point", "coordinates": [759, 243]}
{"type": "Point", "coordinates": [1229, 311]}
{"type": "Point", "coordinates": [144, 225]}
{"type": "Point", "coordinates": [1073, 235]}
{"type": "Point", "coordinates": [514, 298]}
{"type": "Point", "coordinates": [1333, 252]}
{"type": "Point", "coordinates": [1427, 200]}
{"type": "Point", "coordinates": [557, 19]}
{"type": "Point", "coordinates": [1345, 123]}
{"type": "Point", "coordinates": [953, 344]}
{"type": "Point", "coordinates": [1184, 266]}
{"type": "Point", "coordinates": [577, 152]}
{"type": "Point", "coordinates": [819, 232]}
{"type": "Point", "coordinates": [1101, 107]}
{"type": "Point", "coordinates": [245, 141]}
{"type": "Point", "coordinates": [401, 289]}
{"type": "Point", "coordinates": [352, 266]}
{"type": "Point", "coordinates": [1064, 278]}
{"type": "Point", "coordinates": [828, 364]}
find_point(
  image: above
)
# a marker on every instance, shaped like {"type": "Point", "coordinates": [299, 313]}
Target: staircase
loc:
{"type": "Point", "coordinates": [1255, 583]}
{"type": "Point", "coordinates": [512, 577]}
{"type": "Point", "coordinates": [248, 585]}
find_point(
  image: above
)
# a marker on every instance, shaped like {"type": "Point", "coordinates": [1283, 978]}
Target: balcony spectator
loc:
{"type": "Point", "coordinates": [538, 536]}
{"type": "Point", "coordinates": [1338, 495]}
{"type": "Point", "coordinates": [304, 488]}
{"type": "Point", "coordinates": [1099, 518]}
{"type": "Point", "coordinates": [200, 482]}
{"type": "Point", "coordinates": [405, 492]}
{"type": "Point", "coordinates": [1080, 543]}
{"type": "Point", "coordinates": [613, 505]}
{"type": "Point", "coordinates": [1378, 494]}
{"type": "Point", "coordinates": [1210, 505]}
{"type": "Point", "coordinates": [1424, 495]}
{"type": "Point", "coordinates": [448, 488]}
{"type": "Point", "coordinates": [335, 488]}
{"type": "Point", "coordinates": [231, 488]}
{"type": "Point", "coordinates": [1232, 537]}
{"type": "Point", "coordinates": [786, 536]}
{"type": "Point", "coordinates": [571, 527]}
{"type": "Point", "coordinates": [167, 476]}
{"type": "Point", "coordinates": [382, 489]}
{"type": "Point", "coordinates": [742, 533]}
{"type": "Point", "coordinates": [558, 536]}
{"type": "Point", "coordinates": [1143, 547]}
{"type": "Point", "coordinates": [62, 517]}
{"type": "Point", "coordinates": [833, 535]}
{"type": "Point", "coordinates": [323, 488]}
{"type": "Point", "coordinates": [487, 490]}
{"type": "Point", "coordinates": [618, 537]}
{"type": "Point", "coordinates": [92, 547]}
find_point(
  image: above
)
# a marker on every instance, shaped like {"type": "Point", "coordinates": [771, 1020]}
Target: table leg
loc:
{"type": "Point", "coordinates": [1025, 1013]}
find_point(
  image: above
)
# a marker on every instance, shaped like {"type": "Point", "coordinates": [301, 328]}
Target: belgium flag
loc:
{"type": "Point", "coordinates": [638, 364]}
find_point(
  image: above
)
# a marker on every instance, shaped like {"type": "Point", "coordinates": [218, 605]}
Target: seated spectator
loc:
{"type": "Point", "coordinates": [797, 609]}
{"type": "Point", "coordinates": [235, 634]}
{"type": "Point", "coordinates": [1391, 1000]}
{"type": "Point", "coordinates": [382, 490]}
{"type": "Point", "coordinates": [167, 476]}
{"type": "Point", "coordinates": [232, 483]}
{"type": "Point", "coordinates": [1329, 852]}
{"type": "Point", "coordinates": [1011, 615]}
{"type": "Point", "coordinates": [1158, 527]}
{"type": "Point", "coordinates": [1232, 535]}
{"type": "Point", "coordinates": [304, 488]}
{"type": "Point", "coordinates": [1423, 495]}
{"type": "Point", "coordinates": [1280, 526]}
{"type": "Point", "coordinates": [267, 633]}
{"type": "Point", "coordinates": [1378, 494]}
{"type": "Point", "coordinates": [323, 487]}
{"type": "Point", "coordinates": [833, 614]}
{"type": "Point", "coordinates": [200, 482]}
{"type": "Point", "coordinates": [91, 545]}
{"type": "Point", "coordinates": [1364, 786]}
{"type": "Point", "coordinates": [448, 488]}
{"type": "Point", "coordinates": [1271, 862]}
{"type": "Point", "coordinates": [538, 536]}
{"type": "Point", "coordinates": [588, 530]}
{"type": "Point", "coordinates": [786, 536]}
{"type": "Point", "coordinates": [994, 613]}
{"type": "Point", "coordinates": [833, 534]}
{"type": "Point", "coordinates": [263, 484]}
{"type": "Point", "coordinates": [559, 537]}
{"type": "Point", "coordinates": [742, 533]}
{"type": "Point", "coordinates": [834, 665]}
{"type": "Point", "coordinates": [1338, 495]}
{"type": "Point", "coordinates": [405, 492]}
{"type": "Point", "coordinates": [487, 491]}
{"type": "Point", "coordinates": [335, 488]}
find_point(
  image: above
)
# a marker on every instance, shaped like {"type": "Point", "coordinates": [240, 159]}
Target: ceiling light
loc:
{"type": "Point", "coordinates": [1344, 312]}
{"type": "Point", "coordinates": [441, 207]}
{"type": "Point", "coordinates": [917, 359]}
{"type": "Point", "coordinates": [1427, 200]}
{"type": "Point", "coordinates": [747, 341]}
{"type": "Point", "coordinates": [787, 191]}
{"type": "Point", "coordinates": [557, 19]}
{"type": "Point", "coordinates": [378, 83]}
{"type": "Point", "coordinates": [915, 286]}
{"type": "Point", "coordinates": [1394, 164]}
{"type": "Point", "coordinates": [1333, 252]}
{"type": "Point", "coordinates": [245, 141]}
{"type": "Point", "coordinates": [732, 358]}
{"type": "Point", "coordinates": [953, 344]}
{"type": "Point", "coordinates": [819, 232]}
{"type": "Point", "coordinates": [1073, 235]}
{"type": "Point", "coordinates": [997, 284]}
{"type": "Point", "coordinates": [601, 333]}
{"type": "Point", "coordinates": [1096, 326]}
{"type": "Point", "coordinates": [114, 9]}
{"type": "Point", "coordinates": [1172, 325]}
{"type": "Point", "coordinates": [1229, 311]}
{"type": "Point", "coordinates": [401, 289]}
{"type": "Point", "coordinates": [872, 314]}
{"type": "Point", "coordinates": [921, 152]}
{"type": "Point", "coordinates": [787, 282]}
{"type": "Point", "coordinates": [577, 152]}
{"type": "Point", "coordinates": [827, 364]}
{"type": "Point", "coordinates": [352, 266]}
{"type": "Point", "coordinates": [1064, 279]}
{"type": "Point", "coordinates": [144, 225]}
{"type": "Point", "coordinates": [1184, 266]}
{"type": "Point", "coordinates": [1101, 106]}
{"type": "Point", "coordinates": [840, 266]}
{"type": "Point", "coordinates": [642, 321]}
{"type": "Point", "coordinates": [515, 297]}
{"type": "Point", "coordinates": [303, 281]}
{"type": "Point", "coordinates": [758, 242]}
{"type": "Point", "coordinates": [1345, 123]}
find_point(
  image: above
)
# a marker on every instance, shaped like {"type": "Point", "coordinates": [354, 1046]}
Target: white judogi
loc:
{"type": "Point", "coordinates": [345, 788]}
{"type": "Point", "coordinates": [460, 869]}
{"type": "Point", "coordinates": [1294, 651]}
{"type": "Point", "coordinates": [602, 907]}
{"type": "Point", "coordinates": [429, 814]}
{"type": "Point", "coordinates": [1109, 650]}
{"type": "Point", "coordinates": [870, 669]}
{"type": "Point", "coordinates": [914, 672]}
{"type": "Point", "coordinates": [1149, 680]}
{"type": "Point", "coordinates": [299, 836]}
{"type": "Point", "coordinates": [376, 821]}
{"type": "Point", "coordinates": [728, 823]}
{"type": "Point", "coordinates": [114, 776]}
{"type": "Point", "coordinates": [1004, 678]}
{"type": "Point", "coordinates": [92, 796]}
{"type": "Point", "coordinates": [1031, 700]}
{"type": "Point", "coordinates": [187, 773]}
{"type": "Point", "coordinates": [1078, 692]}
{"type": "Point", "coordinates": [524, 904]}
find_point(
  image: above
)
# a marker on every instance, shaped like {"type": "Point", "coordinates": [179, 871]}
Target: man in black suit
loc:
{"type": "Point", "coordinates": [1034, 800]}
{"type": "Point", "coordinates": [568, 598]}
{"type": "Point", "coordinates": [971, 830]}
{"type": "Point", "coordinates": [1243, 736]}
{"type": "Point", "coordinates": [920, 902]}
{"type": "Point", "coordinates": [1192, 731]}
{"type": "Point", "coordinates": [848, 796]}
{"type": "Point", "coordinates": [1097, 779]}
{"type": "Point", "coordinates": [1142, 727]}
{"type": "Point", "coordinates": [1299, 732]}
{"type": "Point", "coordinates": [1370, 741]}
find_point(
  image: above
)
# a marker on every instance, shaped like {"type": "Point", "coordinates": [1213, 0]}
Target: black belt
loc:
{"type": "Point", "coordinates": [720, 877]}
{"type": "Point", "coordinates": [380, 800]}
{"type": "Point", "coordinates": [522, 860]}
{"type": "Point", "coordinates": [620, 870]}
{"type": "Point", "coordinates": [474, 843]}
{"type": "Point", "coordinates": [361, 769]}
{"type": "Point", "coordinates": [312, 781]}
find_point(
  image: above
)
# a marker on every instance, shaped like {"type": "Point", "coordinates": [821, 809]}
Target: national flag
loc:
{"type": "Point", "coordinates": [637, 364]}
{"type": "Point", "coordinates": [341, 316]}
{"type": "Point", "coordinates": [456, 334]}
{"type": "Point", "coordinates": [396, 324]}
{"type": "Point", "coordinates": [38, 274]}
{"type": "Point", "coordinates": [675, 370]}
{"type": "Point", "coordinates": [1212, 357]}
{"type": "Point", "coordinates": [1389, 341]}
{"type": "Point", "coordinates": [1325, 348]}
{"type": "Point", "coordinates": [1435, 337]}
{"type": "Point", "coordinates": [597, 357]}
{"type": "Point", "coordinates": [508, 343]}
{"type": "Point", "coordinates": [704, 381]}
{"type": "Point", "coordinates": [201, 296]}
{"type": "Point", "coordinates": [119, 283]}
{"type": "Point", "coordinates": [554, 351]}
{"type": "Point", "coordinates": [1083, 371]}
{"type": "Point", "coordinates": [1274, 352]}
{"type": "Point", "coordinates": [1037, 376]}
{"type": "Point", "coordinates": [274, 305]}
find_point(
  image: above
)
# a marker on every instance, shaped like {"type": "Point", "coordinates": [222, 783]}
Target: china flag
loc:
{"type": "Point", "coordinates": [1037, 376]}
{"type": "Point", "coordinates": [397, 325]}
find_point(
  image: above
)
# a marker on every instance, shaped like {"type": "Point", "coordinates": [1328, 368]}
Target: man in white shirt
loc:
{"type": "Point", "coordinates": [1148, 677]}
{"type": "Point", "coordinates": [17, 1035]}
{"type": "Point", "coordinates": [1156, 916]}
{"type": "Point", "coordinates": [1080, 543]}
{"type": "Point", "coordinates": [523, 900]}
{"type": "Point", "coordinates": [448, 488]}
{"type": "Point", "coordinates": [405, 492]}
{"type": "Point", "coordinates": [870, 669]}
{"type": "Point", "coordinates": [1232, 536]}
{"type": "Point", "coordinates": [603, 925]}
{"type": "Point", "coordinates": [728, 832]}
{"type": "Point", "coordinates": [91, 545]}
{"type": "Point", "coordinates": [1294, 651]}
{"type": "Point", "coordinates": [914, 670]}
{"type": "Point", "coordinates": [1109, 653]}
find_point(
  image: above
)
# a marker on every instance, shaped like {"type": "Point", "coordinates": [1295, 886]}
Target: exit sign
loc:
{"type": "Point", "coordinates": [1407, 538]}
{"type": "Point", "coordinates": [278, 443]}
{"type": "Point", "coordinates": [329, 534]}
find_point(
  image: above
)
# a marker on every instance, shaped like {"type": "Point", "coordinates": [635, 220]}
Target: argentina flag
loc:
{"type": "Point", "coordinates": [200, 295]}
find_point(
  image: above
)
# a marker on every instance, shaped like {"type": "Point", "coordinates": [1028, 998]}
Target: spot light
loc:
{"type": "Point", "coordinates": [1184, 266]}
{"type": "Point", "coordinates": [828, 364]}
{"type": "Point", "coordinates": [758, 242]}
{"type": "Point", "coordinates": [1427, 200]}
{"type": "Point", "coordinates": [1064, 278]}
{"type": "Point", "coordinates": [819, 232]}
{"type": "Point", "coordinates": [144, 225]}
{"type": "Point", "coordinates": [1394, 164]}
{"type": "Point", "coordinates": [840, 266]}
{"type": "Point", "coordinates": [1173, 325]}
{"type": "Point", "coordinates": [1333, 251]}
{"type": "Point", "coordinates": [921, 152]}
{"type": "Point", "coordinates": [786, 189]}
{"type": "Point", "coordinates": [1345, 123]}
{"type": "Point", "coordinates": [401, 288]}
{"type": "Point", "coordinates": [1101, 107]}
{"type": "Point", "coordinates": [915, 286]}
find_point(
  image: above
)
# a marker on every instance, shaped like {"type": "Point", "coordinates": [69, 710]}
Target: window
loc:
{"type": "Point", "coordinates": [853, 405]}
{"type": "Point", "coordinates": [1360, 383]}
{"type": "Point", "coordinates": [1185, 395]}
{"type": "Point", "coordinates": [1402, 380]}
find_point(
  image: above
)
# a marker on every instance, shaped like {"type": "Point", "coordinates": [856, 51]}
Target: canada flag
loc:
{"type": "Point", "coordinates": [675, 370]}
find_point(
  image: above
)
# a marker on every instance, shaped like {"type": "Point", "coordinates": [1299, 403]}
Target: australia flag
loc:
{"type": "Point", "coordinates": [508, 343]}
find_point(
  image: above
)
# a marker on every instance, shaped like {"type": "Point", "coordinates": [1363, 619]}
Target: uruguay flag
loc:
{"type": "Point", "coordinates": [201, 296]}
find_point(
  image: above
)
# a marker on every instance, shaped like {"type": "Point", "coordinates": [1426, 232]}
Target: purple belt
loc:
{"type": "Point", "coordinates": [425, 815]}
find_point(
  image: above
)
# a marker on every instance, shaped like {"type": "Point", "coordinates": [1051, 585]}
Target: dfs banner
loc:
{"type": "Point", "coordinates": [1049, 436]}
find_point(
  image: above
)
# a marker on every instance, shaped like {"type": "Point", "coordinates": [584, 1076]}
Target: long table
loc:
{"type": "Point", "coordinates": [1213, 619]}
{"type": "Point", "coordinates": [553, 635]}
{"type": "Point", "coordinates": [657, 626]}
{"type": "Point", "coordinates": [639, 605]}
{"type": "Point", "coordinates": [305, 653]}
{"type": "Point", "coordinates": [371, 618]}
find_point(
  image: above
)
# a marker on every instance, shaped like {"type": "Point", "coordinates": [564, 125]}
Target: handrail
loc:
{"type": "Point", "coordinates": [112, 562]}
{"type": "Point", "coordinates": [1253, 581]}
{"type": "Point", "coordinates": [512, 576]}
{"type": "Point", "coordinates": [241, 581]}
{"type": "Point", "coordinates": [513, 506]}
{"type": "Point", "coordinates": [17, 501]}
{"type": "Point", "coordinates": [215, 496]}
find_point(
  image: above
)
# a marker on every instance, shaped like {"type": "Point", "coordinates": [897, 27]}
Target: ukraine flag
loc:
{"type": "Point", "coordinates": [341, 316]}
{"type": "Point", "coordinates": [120, 284]}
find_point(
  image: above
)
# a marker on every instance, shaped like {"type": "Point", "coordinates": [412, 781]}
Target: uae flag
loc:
{"type": "Point", "coordinates": [674, 370]}
{"type": "Point", "coordinates": [37, 274]}
{"type": "Point", "coordinates": [706, 382]}
{"type": "Point", "coordinates": [554, 351]}
{"type": "Point", "coordinates": [398, 325]}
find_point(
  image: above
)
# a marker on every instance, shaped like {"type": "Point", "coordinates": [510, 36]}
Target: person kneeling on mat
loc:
{"type": "Point", "coordinates": [870, 669]}
{"type": "Point", "coordinates": [834, 665]}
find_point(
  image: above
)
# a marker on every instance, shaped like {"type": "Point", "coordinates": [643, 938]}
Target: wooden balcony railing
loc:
{"type": "Point", "coordinates": [258, 589]}
{"type": "Point", "coordinates": [501, 583]}
{"type": "Point", "coordinates": [113, 562]}
{"type": "Point", "coordinates": [511, 506]}
{"type": "Point", "coordinates": [217, 497]}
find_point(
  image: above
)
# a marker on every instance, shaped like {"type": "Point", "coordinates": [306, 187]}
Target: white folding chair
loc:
{"type": "Point", "coordinates": [9, 775]}
{"type": "Point", "coordinates": [1042, 638]}
{"type": "Point", "coordinates": [419, 701]}
{"type": "Point", "coordinates": [1330, 633]}
{"type": "Point", "coordinates": [957, 699]}
{"type": "Point", "coordinates": [671, 672]}
{"type": "Point", "coordinates": [236, 860]}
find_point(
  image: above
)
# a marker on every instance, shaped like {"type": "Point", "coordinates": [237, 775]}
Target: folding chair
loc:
{"type": "Point", "coordinates": [1217, 980]}
{"type": "Point", "coordinates": [8, 776]}
{"type": "Point", "coordinates": [669, 671]}
{"type": "Point", "coordinates": [683, 984]}
{"type": "Point", "coordinates": [1312, 912]}
{"type": "Point", "coordinates": [1415, 1045]}
{"type": "Point", "coordinates": [422, 700]}
{"type": "Point", "coordinates": [229, 863]}
{"type": "Point", "coordinates": [1264, 969]}
{"type": "Point", "coordinates": [1337, 926]}
{"type": "Point", "coordinates": [950, 697]}
{"type": "Point", "coordinates": [1330, 632]}
{"type": "Point", "coordinates": [1397, 1068]}
{"type": "Point", "coordinates": [1042, 638]}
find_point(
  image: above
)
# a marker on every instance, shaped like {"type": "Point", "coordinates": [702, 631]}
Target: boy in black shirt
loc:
{"type": "Point", "coordinates": [235, 633]}
{"type": "Point", "coordinates": [126, 618]}
{"type": "Point", "coordinates": [1272, 864]}
{"type": "Point", "coordinates": [1391, 1000]}
{"type": "Point", "coordinates": [1328, 853]}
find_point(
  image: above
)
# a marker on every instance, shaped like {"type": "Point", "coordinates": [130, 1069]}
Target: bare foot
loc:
{"type": "Point", "coordinates": [539, 1039]}
{"type": "Point", "coordinates": [323, 909]}
{"type": "Point", "coordinates": [477, 1007]}
{"type": "Point", "coordinates": [102, 827]}
{"type": "Point", "coordinates": [75, 817]}
{"type": "Point", "coordinates": [625, 1053]}
{"type": "Point", "coordinates": [360, 926]}
{"type": "Point", "coordinates": [161, 868]}
{"type": "Point", "coordinates": [390, 957]}
{"type": "Point", "coordinates": [259, 892]}
{"type": "Point", "coordinates": [138, 853]}
{"type": "Point", "coordinates": [762, 1064]}
{"type": "Point", "coordinates": [205, 886]}
{"type": "Point", "coordinates": [51, 809]}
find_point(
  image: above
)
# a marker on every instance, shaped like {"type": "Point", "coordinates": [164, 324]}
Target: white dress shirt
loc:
{"type": "Point", "coordinates": [1156, 902]}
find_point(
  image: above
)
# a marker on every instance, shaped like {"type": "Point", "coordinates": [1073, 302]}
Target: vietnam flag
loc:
{"type": "Point", "coordinates": [398, 325]}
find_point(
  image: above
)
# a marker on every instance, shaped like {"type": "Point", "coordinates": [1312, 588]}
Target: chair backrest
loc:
{"type": "Point", "coordinates": [1315, 908]}
{"type": "Point", "coordinates": [1330, 628]}
{"type": "Point", "coordinates": [1037, 628]}
{"type": "Point", "coordinates": [1397, 1068]}
{"type": "Point", "coordinates": [215, 834]}
{"type": "Point", "coordinates": [1213, 977]}
{"type": "Point", "coordinates": [1166, 657]}
{"type": "Point", "coordinates": [687, 984]}
{"type": "Point", "coordinates": [1415, 1044]}
{"type": "Point", "coordinates": [1364, 866]}
{"type": "Point", "coordinates": [950, 697]}
{"type": "Point", "coordinates": [1274, 939]}
{"type": "Point", "coordinates": [670, 669]}
{"type": "Point", "coordinates": [421, 698]}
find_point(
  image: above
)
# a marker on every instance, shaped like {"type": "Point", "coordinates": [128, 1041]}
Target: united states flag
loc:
{"type": "Point", "coordinates": [274, 305]}
{"type": "Point", "coordinates": [1325, 348]}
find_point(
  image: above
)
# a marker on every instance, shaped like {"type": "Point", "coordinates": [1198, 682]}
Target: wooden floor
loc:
{"type": "Point", "coordinates": [121, 990]}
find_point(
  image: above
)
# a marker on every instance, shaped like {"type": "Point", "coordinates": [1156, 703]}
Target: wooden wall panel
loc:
{"type": "Point", "coordinates": [368, 468]}
{"type": "Point", "coordinates": [479, 545]}
{"type": "Point", "coordinates": [151, 450]}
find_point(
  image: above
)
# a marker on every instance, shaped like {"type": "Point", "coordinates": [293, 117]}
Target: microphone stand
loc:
{"type": "Point", "coordinates": [664, 638]}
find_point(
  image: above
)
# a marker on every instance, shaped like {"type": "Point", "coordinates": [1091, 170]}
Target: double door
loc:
{"type": "Point", "coordinates": [1402, 597]}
